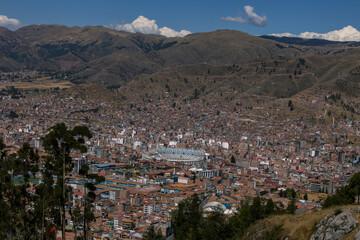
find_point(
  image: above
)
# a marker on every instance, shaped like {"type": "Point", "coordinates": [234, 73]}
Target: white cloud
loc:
{"type": "Point", "coordinates": [348, 33]}
{"type": "Point", "coordinates": [168, 32]}
{"type": "Point", "coordinates": [147, 26]}
{"type": "Point", "coordinates": [10, 23]}
{"type": "Point", "coordinates": [251, 18]}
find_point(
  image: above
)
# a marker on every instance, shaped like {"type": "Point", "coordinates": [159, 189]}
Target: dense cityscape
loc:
{"type": "Point", "coordinates": [179, 120]}
{"type": "Point", "coordinates": [151, 160]}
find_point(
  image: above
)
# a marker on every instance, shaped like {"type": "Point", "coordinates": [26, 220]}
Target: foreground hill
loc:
{"type": "Point", "coordinates": [334, 223]}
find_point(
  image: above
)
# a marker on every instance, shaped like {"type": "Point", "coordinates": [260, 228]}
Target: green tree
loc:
{"type": "Point", "coordinates": [196, 94]}
{"type": "Point", "coordinates": [291, 208]}
{"type": "Point", "coordinates": [354, 184]}
{"type": "Point", "coordinates": [346, 195]}
{"type": "Point", "coordinates": [187, 218]}
{"type": "Point", "coordinates": [17, 219]}
{"type": "Point", "coordinates": [58, 143]}
{"type": "Point", "coordinates": [241, 220]}
{"type": "Point", "coordinates": [305, 197]}
{"type": "Point", "coordinates": [232, 159]}
{"type": "Point", "coordinates": [151, 234]}
{"type": "Point", "coordinates": [215, 226]}
{"type": "Point", "coordinates": [270, 207]}
{"type": "Point", "coordinates": [77, 218]}
{"type": "Point", "coordinates": [13, 114]}
{"type": "Point", "coordinates": [256, 209]}
{"type": "Point", "coordinates": [289, 193]}
{"type": "Point", "coordinates": [89, 186]}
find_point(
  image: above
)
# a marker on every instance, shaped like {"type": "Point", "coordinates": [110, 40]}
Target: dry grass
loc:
{"type": "Point", "coordinates": [297, 227]}
{"type": "Point", "coordinates": [39, 85]}
{"type": "Point", "coordinates": [315, 196]}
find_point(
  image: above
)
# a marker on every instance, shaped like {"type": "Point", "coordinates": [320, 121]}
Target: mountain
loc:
{"type": "Point", "coordinates": [223, 61]}
{"type": "Point", "coordinates": [121, 56]}
{"type": "Point", "coordinates": [15, 52]}
{"type": "Point", "coordinates": [310, 42]}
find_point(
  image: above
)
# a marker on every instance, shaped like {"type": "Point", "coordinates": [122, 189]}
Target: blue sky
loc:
{"type": "Point", "coordinates": [195, 15]}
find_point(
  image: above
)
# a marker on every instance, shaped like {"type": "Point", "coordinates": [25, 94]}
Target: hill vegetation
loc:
{"type": "Point", "coordinates": [262, 219]}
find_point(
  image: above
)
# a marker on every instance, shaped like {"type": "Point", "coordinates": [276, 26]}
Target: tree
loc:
{"type": "Point", "coordinates": [151, 234]}
{"type": "Point", "coordinates": [291, 105]}
{"type": "Point", "coordinates": [13, 114]}
{"type": "Point", "coordinates": [355, 185]}
{"type": "Point", "coordinates": [232, 159]}
{"type": "Point", "coordinates": [270, 207]}
{"type": "Point", "coordinates": [89, 197]}
{"type": "Point", "coordinates": [305, 197]}
{"type": "Point", "coordinates": [76, 218]}
{"type": "Point", "coordinates": [281, 193]}
{"type": "Point", "coordinates": [289, 193]}
{"type": "Point", "coordinates": [58, 143]}
{"type": "Point", "coordinates": [346, 195]}
{"type": "Point", "coordinates": [241, 220]}
{"type": "Point", "coordinates": [196, 94]}
{"type": "Point", "coordinates": [186, 220]}
{"type": "Point", "coordinates": [291, 208]}
{"type": "Point", "coordinates": [256, 209]}
{"type": "Point", "coordinates": [215, 226]}
{"type": "Point", "coordinates": [17, 219]}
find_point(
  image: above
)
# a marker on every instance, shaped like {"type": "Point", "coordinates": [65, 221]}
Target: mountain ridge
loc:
{"type": "Point", "coordinates": [97, 54]}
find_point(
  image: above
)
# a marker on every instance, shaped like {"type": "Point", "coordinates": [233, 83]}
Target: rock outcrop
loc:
{"type": "Point", "coordinates": [335, 226]}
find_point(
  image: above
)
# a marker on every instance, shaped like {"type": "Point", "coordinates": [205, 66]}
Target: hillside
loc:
{"type": "Point", "coordinates": [83, 47]}
{"type": "Point", "coordinates": [275, 76]}
{"type": "Point", "coordinates": [213, 63]}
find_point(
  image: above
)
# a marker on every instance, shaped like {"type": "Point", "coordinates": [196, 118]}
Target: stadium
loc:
{"type": "Point", "coordinates": [184, 156]}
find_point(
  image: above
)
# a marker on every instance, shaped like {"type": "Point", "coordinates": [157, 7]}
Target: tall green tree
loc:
{"type": "Point", "coordinates": [215, 226]}
{"type": "Point", "coordinates": [187, 218]}
{"type": "Point", "coordinates": [291, 208]}
{"type": "Point", "coordinates": [5, 180]}
{"type": "Point", "coordinates": [90, 180]}
{"type": "Point", "coordinates": [241, 220]}
{"type": "Point", "coordinates": [58, 143]}
{"type": "Point", "coordinates": [270, 207]}
{"type": "Point", "coordinates": [18, 219]}
{"type": "Point", "coordinates": [256, 209]}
